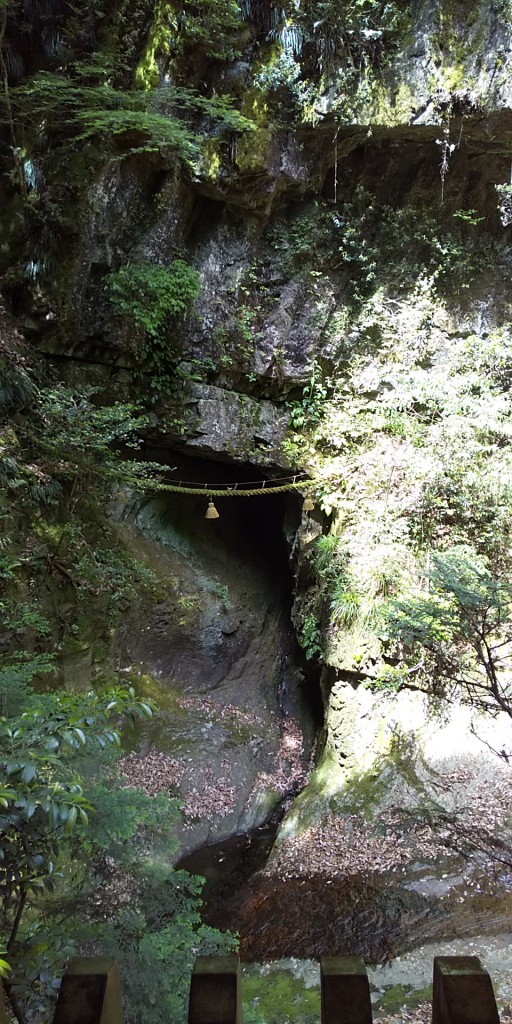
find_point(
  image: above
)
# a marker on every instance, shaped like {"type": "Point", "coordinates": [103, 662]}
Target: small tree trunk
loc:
{"type": "Point", "coordinates": [17, 921]}
{"type": "Point", "coordinates": [13, 1002]}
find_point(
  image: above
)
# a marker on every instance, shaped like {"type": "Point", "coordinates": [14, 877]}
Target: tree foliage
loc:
{"type": "Point", "coordinates": [84, 861]}
{"type": "Point", "coordinates": [458, 633]}
{"type": "Point", "coordinates": [43, 795]}
{"type": "Point", "coordinates": [74, 108]}
{"type": "Point", "coordinates": [42, 798]}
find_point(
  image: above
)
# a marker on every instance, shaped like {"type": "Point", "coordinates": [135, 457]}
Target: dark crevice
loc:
{"type": "Point", "coordinates": [260, 530]}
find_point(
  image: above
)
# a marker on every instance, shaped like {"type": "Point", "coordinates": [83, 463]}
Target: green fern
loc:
{"type": "Point", "coordinates": [345, 605]}
{"type": "Point", "coordinates": [16, 387]}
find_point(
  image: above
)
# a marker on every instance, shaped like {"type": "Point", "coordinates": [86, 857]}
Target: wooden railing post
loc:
{"type": "Point", "coordinates": [215, 992]}
{"type": "Point", "coordinates": [90, 992]}
{"type": "Point", "coordinates": [345, 990]}
{"type": "Point", "coordinates": [462, 992]}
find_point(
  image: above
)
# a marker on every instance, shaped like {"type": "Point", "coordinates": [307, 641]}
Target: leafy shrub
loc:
{"type": "Point", "coordinates": [310, 637]}
{"type": "Point", "coordinates": [309, 409]}
{"type": "Point", "coordinates": [154, 295]}
{"type": "Point", "coordinates": [356, 33]}
{"type": "Point", "coordinates": [368, 241]}
{"type": "Point", "coordinates": [361, 31]}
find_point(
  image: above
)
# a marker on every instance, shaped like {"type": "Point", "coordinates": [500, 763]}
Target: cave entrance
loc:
{"type": "Point", "coordinates": [252, 538]}
{"type": "Point", "coordinates": [257, 528]}
{"type": "Point", "coordinates": [241, 706]}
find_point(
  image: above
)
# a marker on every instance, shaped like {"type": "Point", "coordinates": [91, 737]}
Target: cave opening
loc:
{"type": "Point", "coordinates": [250, 528]}
{"type": "Point", "coordinates": [248, 550]}
{"type": "Point", "coordinates": [254, 535]}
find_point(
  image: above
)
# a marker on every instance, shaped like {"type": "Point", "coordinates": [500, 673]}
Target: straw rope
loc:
{"type": "Point", "coordinates": [233, 492]}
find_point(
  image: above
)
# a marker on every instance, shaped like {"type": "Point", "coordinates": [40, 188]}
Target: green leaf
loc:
{"type": "Point", "coordinates": [54, 815]}
{"type": "Point", "coordinates": [71, 818]}
{"type": "Point", "coordinates": [29, 772]}
{"type": "Point", "coordinates": [83, 816]}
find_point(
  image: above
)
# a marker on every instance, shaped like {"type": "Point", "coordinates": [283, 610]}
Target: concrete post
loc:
{"type": "Point", "coordinates": [90, 993]}
{"type": "Point", "coordinates": [345, 990]}
{"type": "Point", "coordinates": [215, 991]}
{"type": "Point", "coordinates": [462, 992]}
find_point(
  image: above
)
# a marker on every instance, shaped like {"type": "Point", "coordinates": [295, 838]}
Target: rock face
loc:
{"type": "Point", "coordinates": [222, 423]}
{"type": "Point", "coordinates": [351, 250]}
{"type": "Point", "coordinates": [273, 229]}
{"type": "Point", "coordinates": [377, 853]}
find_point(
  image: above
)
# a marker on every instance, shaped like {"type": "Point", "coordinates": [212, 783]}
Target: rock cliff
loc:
{"type": "Point", "coordinates": [344, 199]}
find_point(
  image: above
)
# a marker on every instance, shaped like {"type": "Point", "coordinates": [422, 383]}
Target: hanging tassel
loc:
{"type": "Point", "coordinates": [308, 505]}
{"type": "Point", "coordinates": [211, 511]}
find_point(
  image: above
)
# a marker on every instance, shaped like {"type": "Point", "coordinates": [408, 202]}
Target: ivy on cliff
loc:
{"type": "Point", "coordinates": [355, 32]}
{"type": "Point", "coordinates": [365, 240]}
{"type": "Point", "coordinates": [155, 298]}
